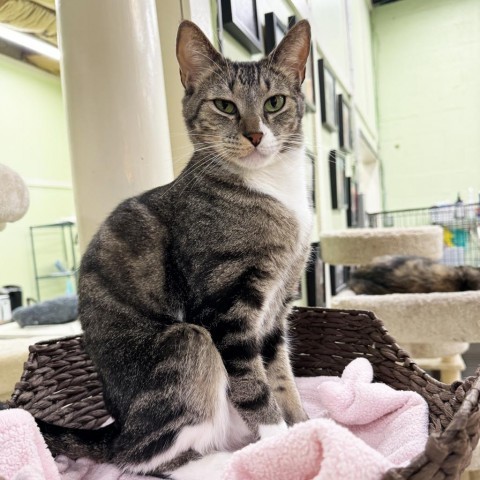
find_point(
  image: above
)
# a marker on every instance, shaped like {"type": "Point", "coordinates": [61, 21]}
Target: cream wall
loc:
{"type": "Point", "coordinates": [33, 142]}
{"type": "Point", "coordinates": [342, 36]}
{"type": "Point", "coordinates": [427, 57]}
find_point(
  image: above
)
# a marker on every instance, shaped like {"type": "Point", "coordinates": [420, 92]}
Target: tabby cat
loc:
{"type": "Point", "coordinates": [409, 274]}
{"type": "Point", "coordinates": [185, 290]}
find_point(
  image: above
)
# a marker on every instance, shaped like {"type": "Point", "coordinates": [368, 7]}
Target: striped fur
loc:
{"type": "Point", "coordinates": [409, 274]}
{"type": "Point", "coordinates": [185, 290]}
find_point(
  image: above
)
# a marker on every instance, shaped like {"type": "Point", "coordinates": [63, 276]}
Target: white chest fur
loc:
{"type": "Point", "coordinates": [286, 181]}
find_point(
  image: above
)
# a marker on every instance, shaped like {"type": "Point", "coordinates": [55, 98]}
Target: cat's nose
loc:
{"type": "Point", "coordinates": [254, 137]}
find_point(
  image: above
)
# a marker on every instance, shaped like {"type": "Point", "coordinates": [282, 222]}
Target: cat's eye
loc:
{"type": "Point", "coordinates": [274, 104]}
{"type": "Point", "coordinates": [225, 106]}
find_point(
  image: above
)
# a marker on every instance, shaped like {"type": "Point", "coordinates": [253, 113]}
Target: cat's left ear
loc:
{"type": "Point", "coordinates": [195, 53]}
{"type": "Point", "coordinates": [292, 52]}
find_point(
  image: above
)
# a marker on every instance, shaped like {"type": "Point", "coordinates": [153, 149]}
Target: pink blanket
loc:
{"type": "Point", "coordinates": [361, 430]}
{"type": "Point", "coordinates": [23, 452]}
{"type": "Point", "coordinates": [358, 429]}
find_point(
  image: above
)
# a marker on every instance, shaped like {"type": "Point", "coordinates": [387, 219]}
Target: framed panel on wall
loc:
{"type": "Point", "coordinates": [292, 20]}
{"type": "Point", "coordinates": [352, 202]}
{"type": "Point", "coordinates": [328, 97]}
{"type": "Point", "coordinates": [315, 278]}
{"type": "Point", "coordinates": [275, 30]}
{"type": "Point", "coordinates": [338, 187]}
{"type": "Point", "coordinates": [339, 276]}
{"type": "Point", "coordinates": [310, 171]}
{"type": "Point", "coordinates": [240, 19]}
{"type": "Point", "coordinates": [344, 124]}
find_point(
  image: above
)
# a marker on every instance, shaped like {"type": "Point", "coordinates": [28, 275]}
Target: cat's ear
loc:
{"type": "Point", "coordinates": [292, 52]}
{"type": "Point", "coordinates": [195, 54]}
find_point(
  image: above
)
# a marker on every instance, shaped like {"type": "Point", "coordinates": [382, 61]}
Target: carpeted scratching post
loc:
{"type": "Point", "coordinates": [14, 196]}
{"type": "Point", "coordinates": [362, 245]}
{"type": "Point", "coordinates": [435, 328]}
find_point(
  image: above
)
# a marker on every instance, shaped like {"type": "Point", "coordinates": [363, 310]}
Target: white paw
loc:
{"type": "Point", "coordinates": [210, 467]}
{"type": "Point", "coordinates": [266, 431]}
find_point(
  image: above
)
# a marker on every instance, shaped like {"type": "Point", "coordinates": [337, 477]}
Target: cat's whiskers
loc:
{"type": "Point", "coordinates": [217, 148]}
{"type": "Point", "coordinates": [203, 159]}
{"type": "Point", "coordinates": [180, 158]}
{"type": "Point", "coordinates": [197, 134]}
{"type": "Point", "coordinates": [198, 148]}
{"type": "Point", "coordinates": [206, 163]}
{"type": "Point", "coordinates": [190, 173]}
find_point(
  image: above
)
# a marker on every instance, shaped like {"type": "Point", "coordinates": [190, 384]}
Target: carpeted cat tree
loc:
{"type": "Point", "coordinates": [14, 203]}
{"type": "Point", "coordinates": [14, 341]}
{"type": "Point", "coordinates": [434, 328]}
{"type": "Point", "coordinates": [14, 196]}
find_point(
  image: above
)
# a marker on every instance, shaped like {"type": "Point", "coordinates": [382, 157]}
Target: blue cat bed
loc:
{"type": "Point", "coordinates": [50, 312]}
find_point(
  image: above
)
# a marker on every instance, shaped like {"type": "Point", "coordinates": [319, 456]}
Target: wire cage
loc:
{"type": "Point", "coordinates": [460, 223]}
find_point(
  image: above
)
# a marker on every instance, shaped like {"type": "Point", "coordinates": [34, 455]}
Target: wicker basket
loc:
{"type": "Point", "coordinates": [59, 384]}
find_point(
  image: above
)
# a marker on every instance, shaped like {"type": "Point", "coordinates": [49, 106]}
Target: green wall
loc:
{"type": "Point", "coordinates": [427, 56]}
{"type": "Point", "coordinates": [33, 141]}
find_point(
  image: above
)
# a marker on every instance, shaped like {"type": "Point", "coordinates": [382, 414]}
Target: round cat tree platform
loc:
{"type": "Point", "coordinates": [434, 328]}
{"type": "Point", "coordinates": [362, 245]}
{"type": "Point", "coordinates": [427, 325]}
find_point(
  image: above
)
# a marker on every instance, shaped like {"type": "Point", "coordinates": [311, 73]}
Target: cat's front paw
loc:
{"type": "Point", "coordinates": [296, 417]}
{"type": "Point", "coordinates": [266, 431]}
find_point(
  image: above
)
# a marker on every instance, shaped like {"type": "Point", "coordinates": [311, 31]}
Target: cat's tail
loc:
{"type": "Point", "coordinates": [77, 443]}
{"type": "Point", "coordinates": [469, 277]}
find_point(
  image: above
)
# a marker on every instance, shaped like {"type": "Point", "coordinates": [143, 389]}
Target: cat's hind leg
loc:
{"type": "Point", "coordinates": [182, 407]}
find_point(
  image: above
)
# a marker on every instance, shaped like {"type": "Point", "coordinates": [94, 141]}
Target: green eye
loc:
{"type": "Point", "coordinates": [225, 106]}
{"type": "Point", "coordinates": [274, 104]}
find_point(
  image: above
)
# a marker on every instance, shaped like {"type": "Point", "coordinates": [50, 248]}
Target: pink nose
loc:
{"type": "Point", "coordinates": [254, 137]}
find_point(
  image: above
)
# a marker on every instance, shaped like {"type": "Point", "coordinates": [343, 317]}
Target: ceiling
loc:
{"type": "Point", "coordinates": [378, 3]}
{"type": "Point", "coordinates": [35, 17]}
{"type": "Point", "coordinates": [38, 18]}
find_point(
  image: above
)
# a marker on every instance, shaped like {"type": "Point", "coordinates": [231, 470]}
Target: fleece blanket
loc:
{"type": "Point", "coordinates": [358, 429]}
{"type": "Point", "coordinates": [23, 452]}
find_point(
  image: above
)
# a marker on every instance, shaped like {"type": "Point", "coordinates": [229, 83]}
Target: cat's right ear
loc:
{"type": "Point", "coordinates": [195, 53]}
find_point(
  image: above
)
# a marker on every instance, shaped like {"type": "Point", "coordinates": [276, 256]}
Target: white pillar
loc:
{"type": "Point", "coordinates": [113, 86]}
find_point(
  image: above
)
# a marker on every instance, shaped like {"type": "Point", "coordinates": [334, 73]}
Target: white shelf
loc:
{"type": "Point", "coordinates": [13, 330]}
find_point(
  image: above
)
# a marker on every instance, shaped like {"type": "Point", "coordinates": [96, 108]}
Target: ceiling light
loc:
{"type": "Point", "coordinates": [29, 42]}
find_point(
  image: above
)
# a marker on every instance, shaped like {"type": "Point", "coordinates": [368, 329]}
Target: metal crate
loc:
{"type": "Point", "coordinates": [460, 223]}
